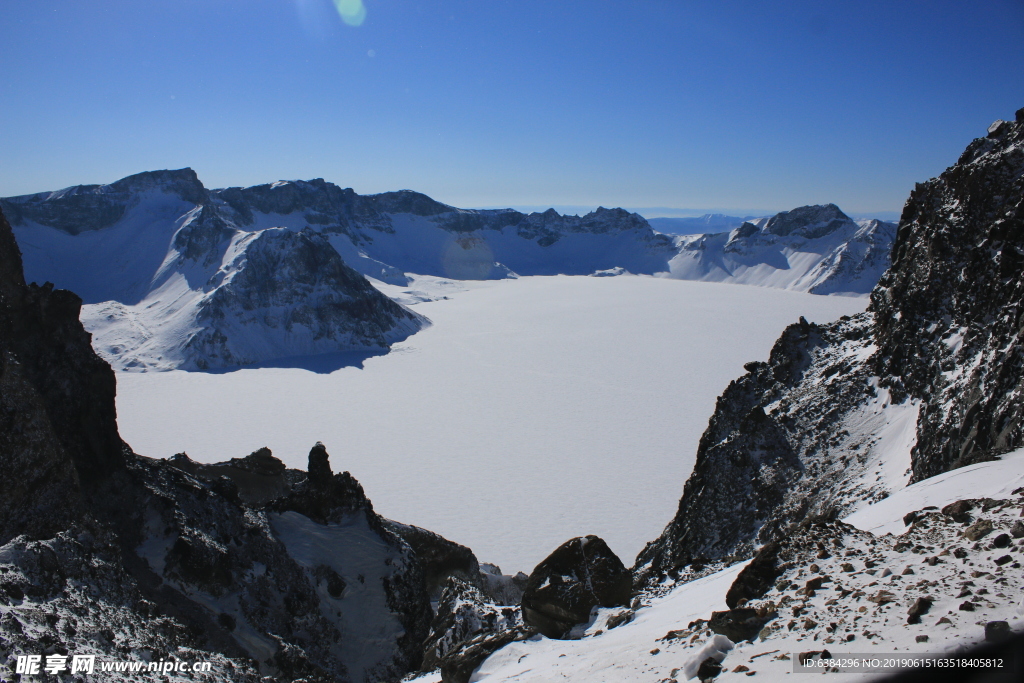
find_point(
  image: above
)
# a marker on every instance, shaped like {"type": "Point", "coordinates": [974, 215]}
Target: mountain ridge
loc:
{"type": "Point", "coordinates": [927, 380]}
{"type": "Point", "coordinates": [157, 257]}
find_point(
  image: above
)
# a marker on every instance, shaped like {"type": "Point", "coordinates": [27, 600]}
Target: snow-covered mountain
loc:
{"type": "Point", "coordinates": [815, 249]}
{"type": "Point", "coordinates": [258, 569]}
{"type": "Point", "coordinates": [266, 571]}
{"type": "Point", "coordinates": [176, 275]}
{"type": "Point", "coordinates": [174, 284]}
{"type": "Point", "coordinates": [927, 380]}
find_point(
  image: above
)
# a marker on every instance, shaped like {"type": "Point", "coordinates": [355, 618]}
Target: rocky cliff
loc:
{"type": "Point", "coordinates": [258, 569]}
{"type": "Point", "coordinates": [927, 380]}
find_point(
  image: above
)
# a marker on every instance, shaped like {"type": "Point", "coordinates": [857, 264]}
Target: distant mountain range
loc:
{"type": "Point", "coordinates": [177, 275]}
{"type": "Point", "coordinates": [816, 249]}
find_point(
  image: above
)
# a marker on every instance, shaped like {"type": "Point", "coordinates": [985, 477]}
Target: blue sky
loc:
{"type": "Point", "coordinates": [719, 105]}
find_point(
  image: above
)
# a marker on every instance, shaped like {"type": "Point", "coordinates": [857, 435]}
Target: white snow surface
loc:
{"type": "Point", "coordinates": [997, 479]}
{"type": "Point", "coordinates": [532, 411]}
{"type": "Point", "coordinates": [638, 650]}
{"type": "Point", "coordinates": [847, 261]}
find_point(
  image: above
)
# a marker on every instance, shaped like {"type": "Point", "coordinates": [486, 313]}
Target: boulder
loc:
{"type": "Point", "coordinates": [756, 578]}
{"type": "Point", "coordinates": [579, 575]}
{"type": "Point", "coordinates": [742, 623]}
{"type": "Point", "coordinates": [920, 606]}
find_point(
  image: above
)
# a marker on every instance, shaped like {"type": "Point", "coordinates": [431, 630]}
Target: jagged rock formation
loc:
{"type": "Point", "coordinates": [927, 380]}
{"type": "Point", "coordinates": [58, 426]}
{"type": "Point", "coordinates": [259, 569]}
{"type": "Point", "coordinates": [949, 314]}
{"type": "Point", "coordinates": [464, 614]}
{"type": "Point", "coordinates": [816, 249]}
{"type": "Point", "coordinates": [579, 575]}
{"type": "Point", "coordinates": [442, 559]}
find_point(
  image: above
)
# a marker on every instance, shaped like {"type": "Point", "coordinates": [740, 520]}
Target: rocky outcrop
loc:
{"type": "Point", "coordinates": [464, 614]}
{"type": "Point", "coordinates": [58, 426]}
{"type": "Point", "coordinates": [442, 560]}
{"type": "Point", "coordinates": [780, 448]}
{"type": "Point", "coordinates": [949, 314]}
{"type": "Point", "coordinates": [928, 379]}
{"type": "Point", "coordinates": [579, 575]}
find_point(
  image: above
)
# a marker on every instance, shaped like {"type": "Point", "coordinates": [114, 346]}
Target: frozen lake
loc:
{"type": "Point", "coordinates": [532, 411]}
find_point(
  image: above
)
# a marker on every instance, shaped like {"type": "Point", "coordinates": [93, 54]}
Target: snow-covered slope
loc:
{"type": "Point", "coordinates": [156, 254]}
{"type": "Point", "coordinates": [815, 249]}
{"type": "Point", "coordinates": [874, 569]}
{"type": "Point", "coordinates": [170, 283]}
{"type": "Point", "coordinates": [925, 381]}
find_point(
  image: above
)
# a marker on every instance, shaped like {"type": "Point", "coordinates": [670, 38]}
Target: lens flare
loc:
{"type": "Point", "coordinates": [353, 12]}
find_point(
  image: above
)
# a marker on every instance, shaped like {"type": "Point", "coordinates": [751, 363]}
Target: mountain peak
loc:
{"type": "Point", "coordinates": [807, 221]}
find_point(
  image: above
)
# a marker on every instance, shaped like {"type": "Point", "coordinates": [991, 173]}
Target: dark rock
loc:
{"type": "Point", "coordinates": [460, 668]}
{"type": "Point", "coordinates": [815, 583]}
{"type": "Point", "coordinates": [978, 414]}
{"type": "Point", "coordinates": [757, 577]}
{"type": "Point", "coordinates": [463, 615]}
{"type": "Point", "coordinates": [978, 530]}
{"type": "Point", "coordinates": [621, 618]}
{"type": "Point", "coordinates": [319, 468]}
{"type": "Point", "coordinates": [738, 624]}
{"type": "Point", "coordinates": [1017, 531]}
{"type": "Point", "coordinates": [441, 559]}
{"type": "Point", "coordinates": [920, 606]}
{"type": "Point", "coordinates": [1001, 541]}
{"type": "Point", "coordinates": [966, 606]}
{"type": "Point", "coordinates": [579, 575]}
{"type": "Point", "coordinates": [1005, 559]}
{"type": "Point", "coordinates": [327, 501]}
{"type": "Point", "coordinates": [997, 631]}
{"type": "Point", "coordinates": [708, 669]}
{"type": "Point", "coordinates": [58, 426]}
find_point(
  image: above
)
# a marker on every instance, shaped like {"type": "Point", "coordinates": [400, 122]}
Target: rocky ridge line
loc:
{"type": "Point", "coordinates": [799, 436]}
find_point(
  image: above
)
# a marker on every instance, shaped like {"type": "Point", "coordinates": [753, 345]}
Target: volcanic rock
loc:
{"type": "Point", "coordinates": [579, 575]}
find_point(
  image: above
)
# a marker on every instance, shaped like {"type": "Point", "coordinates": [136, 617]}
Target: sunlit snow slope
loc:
{"type": "Point", "coordinates": [640, 651]}
{"type": "Point", "coordinates": [175, 275]}
{"type": "Point", "coordinates": [532, 411]}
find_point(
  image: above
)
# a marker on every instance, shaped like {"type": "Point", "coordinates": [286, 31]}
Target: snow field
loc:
{"type": "Point", "coordinates": [531, 411]}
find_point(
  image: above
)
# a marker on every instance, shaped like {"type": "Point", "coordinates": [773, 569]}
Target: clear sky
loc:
{"type": "Point", "coordinates": [638, 103]}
